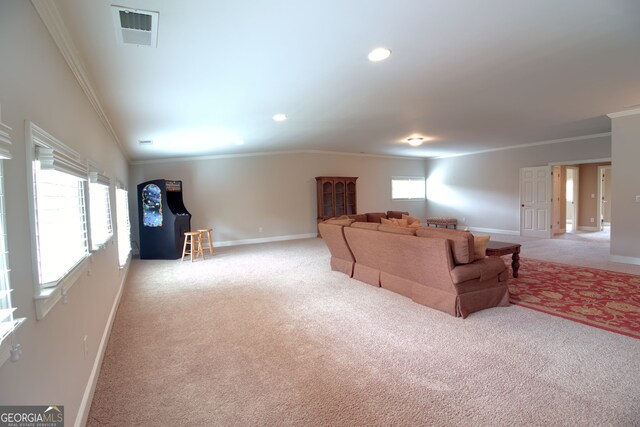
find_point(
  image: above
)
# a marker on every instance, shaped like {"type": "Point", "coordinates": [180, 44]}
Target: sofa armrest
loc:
{"type": "Point", "coordinates": [482, 269]}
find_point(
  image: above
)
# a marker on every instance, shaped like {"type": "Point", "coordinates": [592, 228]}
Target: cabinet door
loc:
{"type": "Point", "coordinates": [327, 199]}
{"type": "Point", "coordinates": [351, 198]}
{"type": "Point", "coordinates": [340, 194]}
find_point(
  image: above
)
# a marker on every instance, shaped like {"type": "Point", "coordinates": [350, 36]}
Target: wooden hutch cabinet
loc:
{"type": "Point", "coordinates": [336, 196]}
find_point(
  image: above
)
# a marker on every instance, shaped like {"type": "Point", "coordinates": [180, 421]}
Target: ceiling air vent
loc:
{"type": "Point", "coordinates": [137, 27]}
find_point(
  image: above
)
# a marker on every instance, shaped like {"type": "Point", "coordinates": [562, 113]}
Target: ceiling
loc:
{"type": "Point", "coordinates": [471, 75]}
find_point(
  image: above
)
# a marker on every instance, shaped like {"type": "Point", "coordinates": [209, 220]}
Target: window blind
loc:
{"type": "Point", "coordinates": [124, 228]}
{"type": "Point", "coordinates": [61, 223]}
{"type": "Point", "coordinates": [100, 210]}
{"type": "Point", "coordinates": [8, 323]}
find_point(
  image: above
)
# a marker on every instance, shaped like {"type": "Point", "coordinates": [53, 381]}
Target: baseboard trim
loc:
{"type": "Point", "coordinates": [624, 259]}
{"type": "Point", "coordinates": [494, 231]}
{"type": "Point", "coordinates": [263, 240]}
{"type": "Point", "coordinates": [585, 228]}
{"type": "Point", "coordinates": [85, 404]}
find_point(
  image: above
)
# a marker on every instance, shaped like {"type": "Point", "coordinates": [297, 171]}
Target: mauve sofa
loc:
{"type": "Point", "coordinates": [434, 267]}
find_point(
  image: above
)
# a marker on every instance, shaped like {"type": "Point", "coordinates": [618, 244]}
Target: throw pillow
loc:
{"type": "Point", "coordinates": [401, 222]}
{"type": "Point", "coordinates": [411, 219]}
{"type": "Point", "coordinates": [386, 221]}
{"type": "Point", "coordinates": [480, 246]}
{"type": "Point", "coordinates": [415, 224]}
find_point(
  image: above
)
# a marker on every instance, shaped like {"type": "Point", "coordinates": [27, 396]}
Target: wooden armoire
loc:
{"type": "Point", "coordinates": [336, 196]}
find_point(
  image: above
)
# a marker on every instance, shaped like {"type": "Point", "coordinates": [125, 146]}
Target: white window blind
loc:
{"type": "Point", "coordinates": [408, 188]}
{"type": "Point", "coordinates": [124, 228]}
{"type": "Point", "coordinates": [8, 323]}
{"type": "Point", "coordinates": [100, 210]}
{"type": "Point", "coordinates": [61, 224]}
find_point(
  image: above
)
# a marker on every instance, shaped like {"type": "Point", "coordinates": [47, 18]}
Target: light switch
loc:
{"type": "Point", "coordinates": [593, 196]}
{"type": "Point", "coordinates": [637, 199]}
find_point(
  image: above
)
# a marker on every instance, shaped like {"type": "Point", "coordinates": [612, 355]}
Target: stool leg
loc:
{"type": "Point", "coordinates": [192, 248]}
{"type": "Point", "coordinates": [210, 243]}
{"type": "Point", "coordinates": [200, 251]}
{"type": "Point", "coordinates": [184, 247]}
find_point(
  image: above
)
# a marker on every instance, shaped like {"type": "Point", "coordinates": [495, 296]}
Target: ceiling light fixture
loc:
{"type": "Point", "coordinates": [145, 142]}
{"type": "Point", "coordinates": [279, 117]}
{"type": "Point", "coordinates": [379, 54]}
{"type": "Point", "coordinates": [415, 141]}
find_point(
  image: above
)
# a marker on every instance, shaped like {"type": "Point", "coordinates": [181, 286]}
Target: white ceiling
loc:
{"type": "Point", "coordinates": [473, 75]}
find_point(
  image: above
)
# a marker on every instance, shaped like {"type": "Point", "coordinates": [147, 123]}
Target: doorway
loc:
{"type": "Point", "coordinates": [572, 183]}
{"type": "Point", "coordinates": [604, 197]}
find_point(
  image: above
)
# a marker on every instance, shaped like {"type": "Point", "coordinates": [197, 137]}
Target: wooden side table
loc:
{"type": "Point", "coordinates": [505, 248]}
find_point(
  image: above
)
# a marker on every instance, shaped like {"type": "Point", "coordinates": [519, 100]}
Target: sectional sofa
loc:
{"type": "Point", "coordinates": [435, 267]}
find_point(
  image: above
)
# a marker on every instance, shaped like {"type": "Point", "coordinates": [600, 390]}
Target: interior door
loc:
{"type": "Point", "coordinates": [535, 201]}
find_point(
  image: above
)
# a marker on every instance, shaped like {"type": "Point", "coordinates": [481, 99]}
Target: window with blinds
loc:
{"type": "Point", "coordinates": [61, 223]}
{"type": "Point", "coordinates": [8, 323]}
{"type": "Point", "coordinates": [99, 210]}
{"type": "Point", "coordinates": [124, 228]}
{"type": "Point", "coordinates": [408, 188]}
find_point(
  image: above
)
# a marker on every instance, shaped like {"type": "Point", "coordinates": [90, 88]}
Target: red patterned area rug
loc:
{"type": "Point", "coordinates": [600, 298]}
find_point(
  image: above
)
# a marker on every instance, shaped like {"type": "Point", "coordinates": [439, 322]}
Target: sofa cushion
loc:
{"type": "Point", "coordinates": [366, 225]}
{"type": "Point", "coordinates": [394, 221]}
{"type": "Point", "coordinates": [344, 222]}
{"type": "Point", "coordinates": [480, 246]}
{"type": "Point", "coordinates": [461, 242]}
{"type": "Point", "coordinates": [359, 217]}
{"type": "Point", "coordinates": [375, 216]}
{"type": "Point", "coordinates": [411, 219]}
{"type": "Point", "coordinates": [396, 214]}
{"type": "Point", "coordinates": [397, 230]}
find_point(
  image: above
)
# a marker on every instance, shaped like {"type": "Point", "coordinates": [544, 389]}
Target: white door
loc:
{"type": "Point", "coordinates": [535, 200]}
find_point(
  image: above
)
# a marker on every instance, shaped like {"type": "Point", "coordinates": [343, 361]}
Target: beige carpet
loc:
{"type": "Point", "coordinates": [268, 335]}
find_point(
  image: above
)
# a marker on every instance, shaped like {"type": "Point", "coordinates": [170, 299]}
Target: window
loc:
{"type": "Point", "coordinates": [408, 188]}
{"type": "Point", "coordinates": [124, 229]}
{"type": "Point", "coordinates": [100, 210]}
{"type": "Point", "coordinates": [60, 223]}
{"type": "Point", "coordinates": [58, 217]}
{"type": "Point", "coordinates": [8, 323]}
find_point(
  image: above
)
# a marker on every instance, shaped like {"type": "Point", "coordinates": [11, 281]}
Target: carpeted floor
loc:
{"type": "Point", "coordinates": [268, 335]}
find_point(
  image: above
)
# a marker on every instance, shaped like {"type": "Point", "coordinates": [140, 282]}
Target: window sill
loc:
{"type": "Point", "coordinates": [47, 298]}
{"type": "Point", "coordinates": [100, 246]}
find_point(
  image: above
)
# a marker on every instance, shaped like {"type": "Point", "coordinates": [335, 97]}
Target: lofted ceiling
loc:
{"type": "Point", "coordinates": [470, 75]}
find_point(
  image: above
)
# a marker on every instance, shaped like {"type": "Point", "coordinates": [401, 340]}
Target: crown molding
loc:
{"type": "Point", "coordinates": [531, 144]}
{"type": "Point", "coordinates": [267, 153]}
{"type": "Point", "coordinates": [55, 25]}
{"type": "Point", "coordinates": [624, 113]}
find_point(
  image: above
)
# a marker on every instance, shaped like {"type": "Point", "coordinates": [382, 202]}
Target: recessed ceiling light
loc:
{"type": "Point", "coordinates": [379, 54]}
{"type": "Point", "coordinates": [279, 117]}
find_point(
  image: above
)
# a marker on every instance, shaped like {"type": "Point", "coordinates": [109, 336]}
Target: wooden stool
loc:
{"type": "Point", "coordinates": [206, 234]}
{"type": "Point", "coordinates": [189, 240]}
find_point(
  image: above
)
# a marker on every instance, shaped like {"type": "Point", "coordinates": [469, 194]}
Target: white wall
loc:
{"type": "Point", "coordinates": [36, 84]}
{"type": "Point", "coordinates": [277, 192]}
{"type": "Point", "coordinates": [484, 188]}
{"type": "Point", "coordinates": [625, 210]}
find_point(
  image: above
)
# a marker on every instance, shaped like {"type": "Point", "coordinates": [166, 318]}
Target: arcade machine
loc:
{"type": "Point", "coordinates": [162, 219]}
